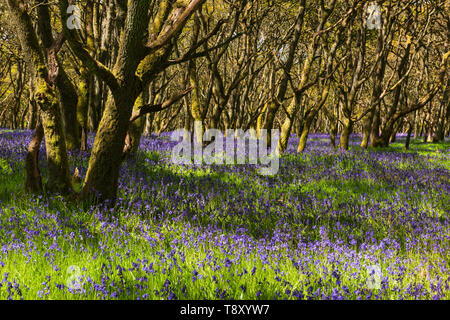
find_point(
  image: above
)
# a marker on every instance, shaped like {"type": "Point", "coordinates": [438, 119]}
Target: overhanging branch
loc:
{"type": "Point", "coordinates": [150, 108]}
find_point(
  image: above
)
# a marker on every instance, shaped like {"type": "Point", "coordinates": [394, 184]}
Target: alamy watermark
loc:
{"type": "Point", "coordinates": [74, 280]}
{"type": "Point", "coordinates": [373, 16]}
{"type": "Point", "coordinates": [374, 279]}
{"type": "Point", "coordinates": [229, 149]}
{"type": "Point", "coordinates": [74, 20]}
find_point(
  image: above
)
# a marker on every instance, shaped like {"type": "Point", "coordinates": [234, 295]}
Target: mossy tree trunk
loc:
{"type": "Point", "coordinates": [286, 128]}
{"type": "Point", "coordinates": [141, 57]}
{"type": "Point", "coordinates": [305, 132]}
{"type": "Point", "coordinates": [57, 160]}
{"type": "Point", "coordinates": [133, 136]}
{"type": "Point", "coordinates": [347, 128]}
{"type": "Point", "coordinates": [67, 94]}
{"type": "Point", "coordinates": [196, 109]}
{"type": "Point", "coordinates": [106, 157]}
{"type": "Point", "coordinates": [45, 96]}
{"type": "Point", "coordinates": [32, 107]}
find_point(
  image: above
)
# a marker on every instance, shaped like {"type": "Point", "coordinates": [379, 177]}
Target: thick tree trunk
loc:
{"type": "Point", "coordinates": [375, 130]}
{"type": "Point", "coordinates": [333, 130]}
{"type": "Point", "coordinates": [67, 94]}
{"type": "Point", "coordinates": [138, 62]}
{"type": "Point", "coordinates": [96, 103]}
{"type": "Point", "coordinates": [333, 134]}
{"type": "Point", "coordinates": [345, 134]}
{"type": "Point", "coordinates": [58, 163]}
{"type": "Point", "coordinates": [106, 157]}
{"type": "Point", "coordinates": [149, 124]}
{"type": "Point", "coordinates": [393, 137]}
{"type": "Point", "coordinates": [367, 126]}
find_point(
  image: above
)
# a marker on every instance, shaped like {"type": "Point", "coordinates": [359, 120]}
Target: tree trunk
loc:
{"type": "Point", "coordinates": [304, 134]}
{"type": "Point", "coordinates": [68, 99]}
{"type": "Point", "coordinates": [445, 113]}
{"type": "Point", "coordinates": [408, 136]}
{"type": "Point", "coordinates": [345, 134]}
{"type": "Point", "coordinates": [133, 137]}
{"type": "Point", "coordinates": [286, 128]}
{"type": "Point", "coordinates": [58, 163]}
{"type": "Point", "coordinates": [33, 181]}
{"type": "Point", "coordinates": [32, 107]}
{"type": "Point", "coordinates": [106, 157]}
{"type": "Point", "coordinates": [45, 97]}
{"type": "Point", "coordinates": [83, 108]}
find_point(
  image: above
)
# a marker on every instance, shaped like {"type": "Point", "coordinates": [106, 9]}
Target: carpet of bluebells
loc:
{"type": "Point", "coordinates": [330, 225]}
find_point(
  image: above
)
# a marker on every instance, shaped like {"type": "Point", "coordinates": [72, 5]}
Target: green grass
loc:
{"type": "Point", "coordinates": [82, 239]}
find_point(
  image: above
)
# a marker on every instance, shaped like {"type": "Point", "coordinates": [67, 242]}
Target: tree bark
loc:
{"type": "Point", "coordinates": [33, 181]}
{"type": "Point", "coordinates": [45, 97]}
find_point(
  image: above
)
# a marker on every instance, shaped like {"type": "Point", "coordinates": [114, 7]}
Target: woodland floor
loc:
{"type": "Point", "coordinates": [316, 230]}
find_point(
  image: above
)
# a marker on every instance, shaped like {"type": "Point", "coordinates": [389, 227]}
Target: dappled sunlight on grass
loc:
{"type": "Point", "coordinates": [225, 232]}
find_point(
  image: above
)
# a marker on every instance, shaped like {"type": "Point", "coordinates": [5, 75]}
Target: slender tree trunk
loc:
{"type": "Point", "coordinates": [32, 107]}
{"type": "Point", "coordinates": [274, 105]}
{"type": "Point", "coordinates": [378, 77]}
{"type": "Point", "coordinates": [408, 136]}
{"type": "Point", "coordinates": [286, 128]}
{"type": "Point", "coordinates": [83, 107]}
{"type": "Point", "coordinates": [33, 181]}
{"type": "Point", "coordinates": [444, 114]}
{"type": "Point", "coordinates": [305, 133]}
{"type": "Point", "coordinates": [196, 108]}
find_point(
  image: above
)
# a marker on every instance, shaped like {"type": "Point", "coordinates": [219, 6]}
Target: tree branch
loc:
{"type": "Point", "coordinates": [150, 108]}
